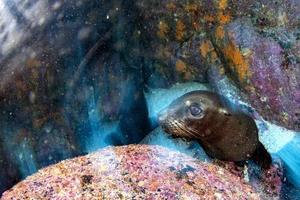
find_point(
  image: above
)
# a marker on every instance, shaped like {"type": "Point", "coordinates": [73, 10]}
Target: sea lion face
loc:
{"type": "Point", "coordinates": [188, 115]}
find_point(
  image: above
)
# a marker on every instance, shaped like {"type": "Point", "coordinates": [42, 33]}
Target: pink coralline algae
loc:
{"type": "Point", "coordinates": [271, 78]}
{"type": "Point", "coordinates": [132, 172]}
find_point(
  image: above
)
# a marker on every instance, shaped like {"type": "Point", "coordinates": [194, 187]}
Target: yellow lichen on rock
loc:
{"type": "Point", "coordinates": [205, 48]}
{"type": "Point", "coordinates": [180, 30]}
{"type": "Point", "coordinates": [220, 33]}
{"type": "Point", "coordinates": [163, 29]}
{"type": "Point", "coordinates": [282, 19]}
{"type": "Point", "coordinates": [223, 4]}
{"type": "Point", "coordinates": [223, 18]}
{"type": "Point", "coordinates": [183, 69]}
{"type": "Point", "coordinates": [207, 51]}
{"type": "Point", "coordinates": [238, 62]}
{"type": "Point", "coordinates": [209, 18]}
{"type": "Point", "coordinates": [191, 7]}
{"type": "Point", "coordinates": [221, 71]}
{"type": "Point", "coordinates": [187, 75]}
{"type": "Point", "coordinates": [180, 66]}
{"type": "Point", "coordinates": [214, 56]}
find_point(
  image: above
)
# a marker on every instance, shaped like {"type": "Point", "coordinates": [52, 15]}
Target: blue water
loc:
{"type": "Point", "coordinates": [21, 154]}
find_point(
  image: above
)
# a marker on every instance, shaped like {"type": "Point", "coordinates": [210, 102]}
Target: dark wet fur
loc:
{"type": "Point", "coordinates": [233, 137]}
{"type": "Point", "coordinates": [262, 157]}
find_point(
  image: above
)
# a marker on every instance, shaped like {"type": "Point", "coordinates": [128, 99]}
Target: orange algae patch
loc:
{"type": "Point", "coordinates": [154, 185]}
{"type": "Point", "coordinates": [180, 30]}
{"type": "Point", "coordinates": [224, 18]}
{"type": "Point", "coordinates": [214, 56]}
{"type": "Point", "coordinates": [209, 18]}
{"type": "Point", "coordinates": [220, 33]}
{"type": "Point", "coordinates": [240, 64]}
{"type": "Point", "coordinates": [205, 48]}
{"type": "Point", "coordinates": [223, 4]}
{"type": "Point", "coordinates": [180, 66]}
{"type": "Point", "coordinates": [192, 7]}
{"type": "Point", "coordinates": [163, 29]}
{"type": "Point", "coordinates": [187, 75]}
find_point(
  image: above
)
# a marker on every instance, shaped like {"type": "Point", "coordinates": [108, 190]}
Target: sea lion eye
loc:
{"type": "Point", "coordinates": [195, 110]}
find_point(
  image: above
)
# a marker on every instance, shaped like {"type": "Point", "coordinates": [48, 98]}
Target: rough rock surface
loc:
{"type": "Point", "coordinates": [73, 72]}
{"type": "Point", "coordinates": [135, 171]}
{"type": "Point", "coordinates": [256, 43]}
{"type": "Point", "coordinates": [265, 69]}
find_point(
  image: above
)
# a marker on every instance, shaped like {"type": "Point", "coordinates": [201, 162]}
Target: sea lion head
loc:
{"type": "Point", "coordinates": [224, 133]}
{"type": "Point", "coordinates": [193, 114]}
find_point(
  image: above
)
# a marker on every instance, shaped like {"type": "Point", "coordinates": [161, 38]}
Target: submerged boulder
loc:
{"type": "Point", "coordinates": [135, 171]}
{"type": "Point", "coordinates": [263, 67]}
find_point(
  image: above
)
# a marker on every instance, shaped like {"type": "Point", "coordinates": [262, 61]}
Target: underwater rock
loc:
{"type": "Point", "coordinates": [176, 29]}
{"type": "Point", "coordinates": [49, 48]}
{"type": "Point", "coordinates": [171, 36]}
{"type": "Point", "coordinates": [245, 34]}
{"type": "Point", "coordinates": [176, 63]}
{"type": "Point", "coordinates": [73, 72]}
{"type": "Point", "coordinates": [262, 68]}
{"type": "Point", "coordinates": [135, 171]}
{"type": "Point", "coordinates": [268, 14]}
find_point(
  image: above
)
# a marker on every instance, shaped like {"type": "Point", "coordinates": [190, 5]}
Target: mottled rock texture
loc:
{"type": "Point", "coordinates": [70, 68]}
{"type": "Point", "coordinates": [264, 69]}
{"type": "Point", "coordinates": [256, 43]}
{"type": "Point", "coordinates": [132, 172]}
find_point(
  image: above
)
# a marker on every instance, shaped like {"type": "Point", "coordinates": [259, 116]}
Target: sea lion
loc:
{"type": "Point", "coordinates": [224, 133]}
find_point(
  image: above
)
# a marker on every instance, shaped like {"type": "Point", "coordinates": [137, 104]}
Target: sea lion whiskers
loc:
{"type": "Point", "coordinates": [172, 127]}
{"type": "Point", "coordinates": [180, 130]}
{"type": "Point", "coordinates": [189, 129]}
{"type": "Point", "coordinates": [184, 130]}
